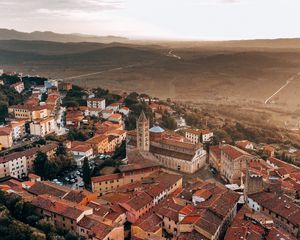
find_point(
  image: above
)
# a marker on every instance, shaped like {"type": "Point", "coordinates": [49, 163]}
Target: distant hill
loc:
{"type": "Point", "coordinates": [215, 72]}
{"type": "Point", "coordinates": [8, 34]}
{"type": "Point", "coordinates": [284, 43]}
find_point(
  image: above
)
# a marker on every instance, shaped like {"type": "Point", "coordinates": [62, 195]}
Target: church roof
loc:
{"type": "Point", "coordinates": [156, 129]}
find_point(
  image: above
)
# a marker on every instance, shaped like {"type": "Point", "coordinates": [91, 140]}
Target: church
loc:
{"type": "Point", "coordinates": [170, 150]}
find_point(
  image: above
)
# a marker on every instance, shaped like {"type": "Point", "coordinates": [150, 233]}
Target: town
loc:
{"type": "Point", "coordinates": [82, 163]}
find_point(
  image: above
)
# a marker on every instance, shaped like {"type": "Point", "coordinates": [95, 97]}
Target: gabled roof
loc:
{"type": "Point", "coordinates": [59, 206]}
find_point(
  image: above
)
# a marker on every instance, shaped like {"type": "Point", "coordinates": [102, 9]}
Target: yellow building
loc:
{"type": "Point", "coordinates": [30, 112]}
{"type": "Point", "coordinates": [99, 143]}
{"type": "Point", "coordinates": [6, 137]}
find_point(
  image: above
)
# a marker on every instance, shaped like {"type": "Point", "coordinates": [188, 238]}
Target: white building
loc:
{"type": "Point", "coordinates": [18, 129]}
{"type": "Point", "coordinates": [198, 136]}
{"type": "Point", "coordinates": [124, 110]}
{"type": "Point", "coordinates": [81, 152]}
{"type": "Point", "coordinates": [51, 83]}
{"type": "Point", "coordinates": [17, 164]}
{"type": "Point", "coordinates": [96, 103]}
{"type": "Point", "coordinates": [114, 106]}
{"type": "Point", "coordinates": [19, 86]}
{"type": "Point", "coordinates": [93, 112]}
{"type": "Point", "coordinates": [107, 113]}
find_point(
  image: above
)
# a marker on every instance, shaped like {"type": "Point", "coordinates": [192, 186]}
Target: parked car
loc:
{"type": "Point", "coordinates": [81, 184]}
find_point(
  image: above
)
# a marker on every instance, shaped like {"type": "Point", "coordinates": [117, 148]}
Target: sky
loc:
{"type": "Point", "coordinates": [157, 19]}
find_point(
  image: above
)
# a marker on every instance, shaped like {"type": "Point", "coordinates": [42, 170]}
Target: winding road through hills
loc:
{"type": "Point", "coordinates": [99, 72]}
{"type": "Point", "coordinates": [282, 87]}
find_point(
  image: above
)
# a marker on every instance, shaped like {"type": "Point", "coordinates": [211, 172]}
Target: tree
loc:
{"type": "Point", "coordinates": [70, 236]}
{"type": "Point", "coordinates": [168, 122]}
{"type": "Point", "coordinates": [120, 152]}
{"type": "Point", "coordinates": [39, 163]}
{"type": "Point", "coordinates": [61, 150]}
{"type": "Point", "coordinates": [86, 171]}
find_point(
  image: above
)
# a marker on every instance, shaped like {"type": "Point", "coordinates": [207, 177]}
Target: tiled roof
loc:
{"type": "Point", "coordinates": [279, 204]}
{"type": "Point", "coordinates": [290, 168]}
{"type": "Point", "coordinates": [197, 131]}
{"type": "Point", "coordinates": [82, 148]}
{"type": "Point", "coordinates": [171, 153]}
{"type": "Point", "coordinates": [194, 235]}
{"type": "Point", "coordinates": [15, 155]}
{"type": "Point", "coordinates": [149, 223]}
{"type": "Point", "coordinates": [233, 152]}
{"type": "Point", "coordinates": [4, 131]}
{"type": "Point", "coordinates": [203, 193]}
{"type": "Point", "coordinates": [106, 177]}
{"type": "Point", "coordinates": [45, 187]}
{"type": "Point", "coordinates": [97, 139]}
{"type": "Point", "coordinates": [137, 166]}
{"type": "Point", "coordinates": [77, 195]}
{"type": "Point", "coordinates": [138, 201]}
{"type": "Point", "coordinates": [101, 230]}
{"type": "Point", "coordinates": [59, 206]}
{"type": "Point", "coordinates": [216, 150]}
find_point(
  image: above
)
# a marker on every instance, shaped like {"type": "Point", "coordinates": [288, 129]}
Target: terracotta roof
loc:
{"type": "Point", "coordinates": [97, 139]}
{"type": "Point", "coordinates": [59, 206]}
{"type": "Point", "coordinates": [171, 153]}
{"type": "Point", "coordinates": [197, 131]}
{"type": "Point", "coordinates": [279, 204]}
{"type": "Point", "coordinates": [77, 195]}
{"type": "Point", "coordinates": [15, 155]}
{"type": "Point", "coordinates": [149, 223]}
{"type": "Point", "coordinates": [106, 178]}
{"type": "Point", "coordinates": [216, 150]}
{"type": "Point", "coordinates": [33, 176]}
{"type": "Point", "coordinates": [243, 143]}
{"type": "Point", "coordinates": [194, 235]}
{"type": "Point", "coordinates": [96, 99]}
{"type": "Point", "coordinates": [290, 168]}
{"type": "Point", "coordinates": [244, 229]}
{"type": "Point", "coordinates": [116, 116]}
{"type": "Point", "coordinates": [203, 193]}
{"type": "Point", "coordinates": [137, 166]}
{"type": "Point", "coordinates": [186, 145]}
{"type": "Point", "coordinates": [46, 187]}
{"type": "Point", "coordinates": [48, 147]}
{"type": "Point", "coordinates": [233, 152]}
{"type": "Point", "coordinates": [101, 230]}
{"type": "Point", "coordinates": [138, 201]}
{"type": "Point", "coordinates": [4, 131]}
{"type": "Point", "coordinates": [82, 148]}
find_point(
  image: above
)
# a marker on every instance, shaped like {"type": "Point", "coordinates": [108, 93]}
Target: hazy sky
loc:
{"type": "Point", "coordinates": [181, 19]}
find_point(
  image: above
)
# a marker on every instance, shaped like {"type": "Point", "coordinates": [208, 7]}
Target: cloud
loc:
{"type": "Point", "coordinates": [26, 7]}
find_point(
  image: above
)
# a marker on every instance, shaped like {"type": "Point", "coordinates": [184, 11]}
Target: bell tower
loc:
{"type": "Point", "coordinates": [142, 126]}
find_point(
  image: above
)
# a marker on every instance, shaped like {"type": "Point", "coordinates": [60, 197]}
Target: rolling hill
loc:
{"type": "Point", "coordinates": [10, 34]}
{"type": "Point", "coordinates": [213, 74]}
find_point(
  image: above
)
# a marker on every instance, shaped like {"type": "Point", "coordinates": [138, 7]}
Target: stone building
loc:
{"type": "Point", "coordinates": [233, 161]}
{"type": "Point", "coordinates": [175, 153]}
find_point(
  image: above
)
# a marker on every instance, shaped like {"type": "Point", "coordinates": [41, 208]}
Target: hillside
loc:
{"type": "Point", "coordinates": [8, 34]}
{"type": "Point", "coordinates": [200, 74]}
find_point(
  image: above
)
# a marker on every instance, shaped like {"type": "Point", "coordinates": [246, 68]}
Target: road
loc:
{"type": "Point", "coordinates": [99, 72]}
{"type": "Point", "coordinates": [171, 54]}
{"type": "Point", "coordinates": [282, 87]}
